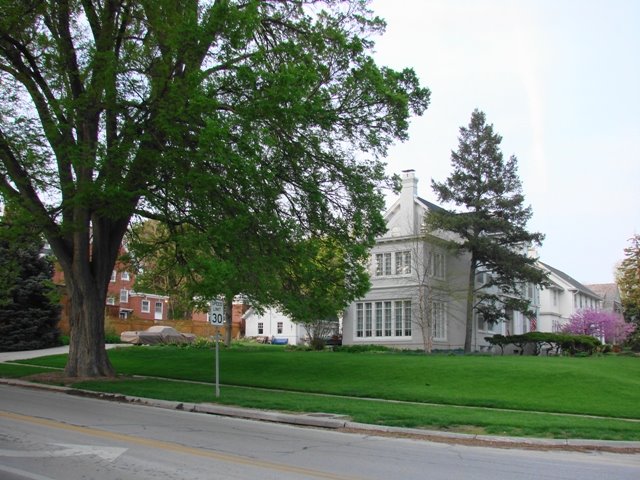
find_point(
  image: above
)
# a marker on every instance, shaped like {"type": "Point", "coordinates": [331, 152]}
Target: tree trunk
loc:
{"type": "Point", "coordinates": [87, 353]}
{"type": "Point", "coordinates": [87, 260]}
{"type": "Point", "coordinates": [468, 338]}
{"type": "Point", "coordinates": [228, 313]}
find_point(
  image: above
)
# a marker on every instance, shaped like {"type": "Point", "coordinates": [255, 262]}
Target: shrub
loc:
{"type": "Point", "coordinates": [570, 344]}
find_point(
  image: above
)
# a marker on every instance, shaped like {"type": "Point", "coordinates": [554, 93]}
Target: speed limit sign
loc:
{"type": "Point", "coordinates": [216, 312]}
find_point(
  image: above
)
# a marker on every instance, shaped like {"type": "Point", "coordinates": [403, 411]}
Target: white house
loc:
{"type": "Point", "coordinates": [272, 323]}
{"type": "Point", "coordinates": [562, 299]}
{"type": "Point", "coordinates": [411, 277]}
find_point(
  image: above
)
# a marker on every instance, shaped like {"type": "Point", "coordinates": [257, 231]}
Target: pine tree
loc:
{"type": "Point", "coordinates": [628, 279]}
{"type": "Point", "coordinates": [29, 313]}
{"type": "Point", "coordinates": [491, 226]}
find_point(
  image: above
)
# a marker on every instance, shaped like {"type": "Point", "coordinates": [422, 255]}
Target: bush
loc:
{"type": "Point", "coordinates": [570, 344]}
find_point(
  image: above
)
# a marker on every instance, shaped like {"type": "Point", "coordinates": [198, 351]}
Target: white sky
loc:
{"type": "Point", "coordinates": [560, 82]}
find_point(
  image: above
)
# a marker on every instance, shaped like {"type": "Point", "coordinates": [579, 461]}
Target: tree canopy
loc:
{"type": "Point", "coordinates": [255, 123]}
{"type": "Point", "coordinates": [491, 226]}
{"type": "Point", "coordinates": [628, 279]}
{"type": "Point", "coordinates": [609, 327]}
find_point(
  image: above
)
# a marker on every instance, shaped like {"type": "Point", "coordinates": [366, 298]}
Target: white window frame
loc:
{"type": "Point", "coordinates": [113, 276]}
{"type": "Point", "coordinates": [392, 263]}
{"type": "Point", "coordinates": [403, 262]}
{"type": "Point", "coordinates": [124, 295]}
{"type": "Point", "coordinates": [111, 300]}
{"type": "Point", "coordinates": [437, 266]}
{"type": "Point", "coordinates": [439, 316]}
{"type": "Point", "coordinates": [260, 328]}
{"type": "Point", "coordinates": [383, 319]}
{"type": "Point", "coordinates": [124, 276]}
{"type": "Point", "coordinates": [279, 328]}
{"type": "Point", "coordinates": [145, 306]}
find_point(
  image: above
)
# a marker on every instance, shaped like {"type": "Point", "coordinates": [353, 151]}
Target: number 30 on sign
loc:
{"type": "Point", "coordinates": [216, 312]}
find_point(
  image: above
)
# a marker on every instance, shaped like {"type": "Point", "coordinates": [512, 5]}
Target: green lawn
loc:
{"type": "Point", "coordinates": [606, 386]}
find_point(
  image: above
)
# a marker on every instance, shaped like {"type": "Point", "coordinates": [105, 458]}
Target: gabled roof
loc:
{"type": "Point", "coordinates": [570, 280]}
{"type": "Point", "coordinates": [429, 205]}
{"type": "Point", "coordinates": [608, 291]}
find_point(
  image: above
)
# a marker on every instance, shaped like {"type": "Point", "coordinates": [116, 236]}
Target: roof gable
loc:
{"type": "Point", "coordinates": [573, 283]}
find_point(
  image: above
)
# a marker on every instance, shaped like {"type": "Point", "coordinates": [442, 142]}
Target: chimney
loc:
{"type": "Point", "coordinates": [409, 183]}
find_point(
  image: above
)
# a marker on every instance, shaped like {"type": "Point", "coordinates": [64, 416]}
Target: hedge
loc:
{"type": "Point", "coordinates": [568, 343]}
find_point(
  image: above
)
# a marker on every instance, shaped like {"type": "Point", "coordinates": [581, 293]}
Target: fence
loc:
{"type": "Point", "coordinates": [116, 326]}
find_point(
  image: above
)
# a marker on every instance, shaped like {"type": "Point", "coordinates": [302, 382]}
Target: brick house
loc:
{"type": "Point", "coordinates": [123, 301]}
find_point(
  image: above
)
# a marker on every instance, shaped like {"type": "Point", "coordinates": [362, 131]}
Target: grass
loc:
{"type": "Point", "coordinates": [603, 386]}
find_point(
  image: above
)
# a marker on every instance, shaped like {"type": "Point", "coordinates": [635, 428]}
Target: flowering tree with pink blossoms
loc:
{"type": "Point", "coordinates": [609, 326]}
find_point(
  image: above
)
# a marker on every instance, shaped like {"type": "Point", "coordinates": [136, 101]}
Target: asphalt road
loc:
{"type": "Point", "coordinates": [48, 435]}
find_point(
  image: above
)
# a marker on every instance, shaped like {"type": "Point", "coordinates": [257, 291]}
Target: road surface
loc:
{"type": "Point", "coordinates": [47, 435]}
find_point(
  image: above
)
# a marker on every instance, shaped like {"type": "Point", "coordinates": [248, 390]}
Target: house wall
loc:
{"type": "Point", "coordinates": [270, 320]}
{"type": "Point", "coordinates": [562, 299]}
{"type": "Point", "coordinates": [404, 223]}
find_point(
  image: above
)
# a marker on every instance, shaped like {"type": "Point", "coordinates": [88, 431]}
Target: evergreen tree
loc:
{"type": "Point", "coordinates": [491, 226]}
{"type": "Point", "coordinates": [29, 312]}
{"type": "Point", "coordinates": [628, 280]}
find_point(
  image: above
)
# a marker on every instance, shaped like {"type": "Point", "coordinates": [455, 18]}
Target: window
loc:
{"type": "Point", "coordinates": [378, 319]}
{"type": "Point", "coordinates": [145, 306]}
{"type": "Point", "coordinates": [113, 276]}
{"type": "Point", "coordinates": [393, 264]}
{"type": "Point", "coordinates": [383, 319]}
{"type": "Point", "coordinates": [367, 319]}
{"type": "Point", "coordinates": [407, 319]}
{"type": "Point", "coordinates": [111, 300]}
{"type": "Point", "coordinates": [279, 327]}
{"type": "Point", "coordinates": [124, 276]}
{"type": "Point", "coordinates": [260, 328]}
{"type": "Point", "coordinates": [398, 319]}
{"type": "Point", "coordinates": [403, 263]}
{"type": "Point", "coordinates": [436, 265]}
{"type": "Point", "coordinates": [383, 264]}
{"type": "Point", "coordinates": [387, 319]}
{"type": "Point", "coordinates": [484, 325]}
{"type": "Point", "coordinates": [439, 321]}
{"type": "Point", "coordinates": [124, 295]}
{"type": "Point", "coordinates": [554, 297]}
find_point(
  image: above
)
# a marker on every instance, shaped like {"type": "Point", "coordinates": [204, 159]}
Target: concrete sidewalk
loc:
{"type": "Point", "coordinates": [11, 356]}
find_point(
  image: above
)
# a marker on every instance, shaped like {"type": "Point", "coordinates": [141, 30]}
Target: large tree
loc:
{"type": "Point", "coordinates": [628, 279]}
{"type": "Point", "coordinates": [491, 226]}
{"type": "Point", "coordinates": [246, 119]}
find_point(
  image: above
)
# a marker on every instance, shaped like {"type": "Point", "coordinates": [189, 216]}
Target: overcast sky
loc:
{"type": "Point", "coordinates": [560, 82]}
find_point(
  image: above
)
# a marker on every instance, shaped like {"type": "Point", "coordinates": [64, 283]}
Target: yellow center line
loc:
{"type": "Point", "coordinates": [173, 447]}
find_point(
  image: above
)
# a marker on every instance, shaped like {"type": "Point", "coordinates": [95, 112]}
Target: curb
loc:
{"type": "Point", "coordinates": [342, 423]}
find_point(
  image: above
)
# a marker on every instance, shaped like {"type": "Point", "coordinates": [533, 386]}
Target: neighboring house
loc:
{"type": "Point", "coordinates": [564, 297]}
{"type": "Point", "coordinates": [411, 277]}
{"type": "Point", "coordinates": [123, 301]}
{"type": "Point", "coordinates": [610, 294]}
{"type": "Point", "coordinates": [120, 293]}
{"type": "Point", "coordinates": [272, 323]}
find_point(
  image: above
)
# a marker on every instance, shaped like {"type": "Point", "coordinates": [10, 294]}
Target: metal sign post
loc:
{"type": "Point", "coordinates": [216, 317]}
{"type": "Point", "coordinates": [217, 365]}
